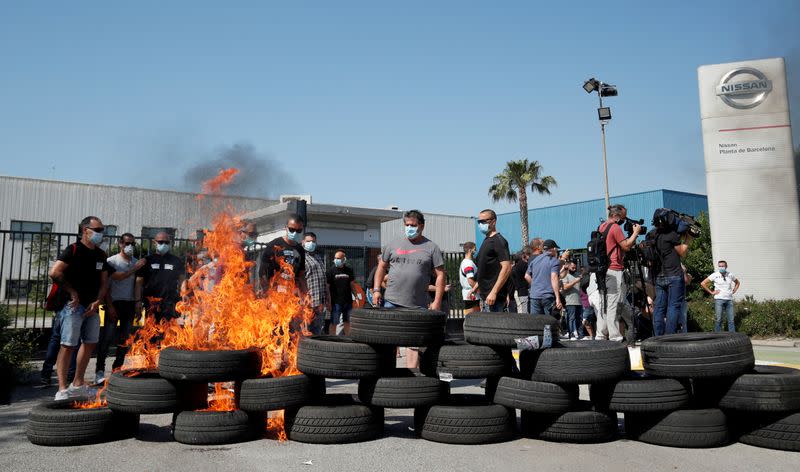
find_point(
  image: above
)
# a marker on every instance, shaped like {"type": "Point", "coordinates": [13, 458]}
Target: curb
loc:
{"type": "Point", "coordinates": [790, 343]}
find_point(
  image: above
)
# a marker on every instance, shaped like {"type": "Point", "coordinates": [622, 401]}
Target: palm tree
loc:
{"type": "Point", "coordinates": [512, 185]}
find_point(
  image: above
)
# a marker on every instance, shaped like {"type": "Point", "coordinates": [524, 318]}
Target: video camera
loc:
{"type": "Point", "coordinates": [681, 223]}
{"type": "Point", "coordinates": [628, 226]}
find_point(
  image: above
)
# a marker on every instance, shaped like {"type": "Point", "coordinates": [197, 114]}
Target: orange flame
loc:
{"type": "Point", "coordinates": [99, 401]}
{"type": "Point", "coordinates": [221, 400]}
{"type": "Point", "coordinates": [275, 426]}
{"type": "Point", "coordinates": [215, 185]}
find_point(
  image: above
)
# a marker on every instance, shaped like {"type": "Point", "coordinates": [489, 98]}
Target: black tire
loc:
{"type": "Point", "coordinates": [339, 357]}
{"type": "Point", "coordinates": [216, 427]}
{"type": "Point", "coordinates": [268, 393]}
{"type": "Point", "coordinates": [466, 419]}
{"type": "Point", "coordinates": [501, 329]}
{"type": "Point", "coordinates": [764, 389]}
{"type": "Point", "coordinates": [209, 366]}
{"type": "Point", "coordinates": [466, 361]}
{"type": "Point", "coordinates": [701, 428]}
{"type": "Point", "coordinates": [402, 389]}
{"type": "Point", "coordinates": [398, 326]}
{"type": "Point", "coordinates": [698, 355]}
{"type": "Point", "coordinates": [579, 362]}
{"type": "Point", "coordinates": [583, 425]}
{"type": "Point", "coordinates": [57, 423]}
{"type": "Point", "coordinates": [536, 397]}
{"type": "Point", "coordinates": [336, 419]}
{"type": "Point", "coordinates": [773, 431]}
{"type": "Point", "coordinates": [142, 391]}
{"type": "Point", "coordinates": [639, 393]}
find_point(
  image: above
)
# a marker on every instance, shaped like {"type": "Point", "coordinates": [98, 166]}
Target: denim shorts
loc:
{"type": "Point", "coordinates": [76, 327]}
{"type": "Point", "coordinates": [588, 314]}
{"type": "Point", "coordinates": [341, 311]}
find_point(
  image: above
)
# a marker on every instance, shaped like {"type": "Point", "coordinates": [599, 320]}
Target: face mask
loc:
{"type": "Point", "coordinates": [248, 242]}
{"type": "Point", "coordinates": [411, 231]}
{"type": "Point", "coordinates": [309, 246]}
{"type": "Point", "coordinates": [338, 262]}
{"type": "Point", "coordinates": [483, 228]}
{"type": "Point", "coordinates": [128, 250]}
{"type": "Point", "coordinates": [162, 248]}
{"type": "Point", "coordinates": [293, 236]}
{"type": "Point", "coordinates": [722, 270]}
{"type": "Point", "coordinates": [96, 238]}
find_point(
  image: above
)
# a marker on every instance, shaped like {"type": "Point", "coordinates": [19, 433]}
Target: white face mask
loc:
{"type": "Point", "coordinates": [128, 250]}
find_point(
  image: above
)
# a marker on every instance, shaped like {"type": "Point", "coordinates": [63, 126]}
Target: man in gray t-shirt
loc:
{"type": "Point", "coordinates": [572, 300]}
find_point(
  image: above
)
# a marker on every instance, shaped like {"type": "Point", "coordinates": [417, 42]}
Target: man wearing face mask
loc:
{"type": "Point", "coordinates": [120, 305]}
{"type": "Point", "coordinates": [158, 282]}
{"type": "Point", "coordinates": [494, 264]}
{"type": "Point", "coordinates": [725, 286]}
{"type": "Point", "coordinates": [543, 275]}
{"type": "Point", "coordinates": [286, 248]}
{"type": "Point", "coordinates": [341, 283]}
{"type": "Point", "coordinates": [316, 282]}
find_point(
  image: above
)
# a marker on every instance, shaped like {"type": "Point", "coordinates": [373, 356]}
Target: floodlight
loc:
{"type": "Point", "coordinates": [607, 90]}
{"type": "Point", "coordinates": [604, 113]}
{"type": "Point", "coordinates": [591, 85]}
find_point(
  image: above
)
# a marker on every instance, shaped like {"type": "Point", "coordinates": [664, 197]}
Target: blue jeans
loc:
{"type": "Point", "coordinates": [670, 295]}
{"type": "Point", "coordinates": [53, 346]}
{"type": "Point", "coordinates": [684, 317]}
{"type": "Point", "coordinates": [574, 319]}
{"type": "Point", "coordinates": [498, 307]}
{"type": "Point", "coordinates": [719, 306]}
{"type": "Point", "coordinates": [542, 306]}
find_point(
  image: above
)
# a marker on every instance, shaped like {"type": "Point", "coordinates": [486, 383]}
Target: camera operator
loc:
{"type": "Point", "coordinates": [670, 249]}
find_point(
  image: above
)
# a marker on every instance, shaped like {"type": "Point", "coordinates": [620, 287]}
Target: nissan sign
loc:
{"type": "Point", "coordinates": [744, 94]}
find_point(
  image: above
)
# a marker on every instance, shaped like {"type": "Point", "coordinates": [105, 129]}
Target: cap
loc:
{"type": "Point", "coordinates": [550, 244]}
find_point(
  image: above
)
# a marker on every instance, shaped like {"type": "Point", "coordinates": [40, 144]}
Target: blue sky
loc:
{"type": "Point", "coordinates": [361, 103]}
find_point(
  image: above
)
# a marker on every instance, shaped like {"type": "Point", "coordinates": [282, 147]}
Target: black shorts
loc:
{"type": "Point", "coordinates": [471, 303]}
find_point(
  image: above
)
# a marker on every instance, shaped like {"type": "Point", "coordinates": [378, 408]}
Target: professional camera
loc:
{"type": "Point", "coordinates": [681, 223]}
{"type": "Point", "coordinates": [628, 226]}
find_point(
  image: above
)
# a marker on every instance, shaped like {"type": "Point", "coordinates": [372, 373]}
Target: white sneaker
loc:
{"type": "Point", "coordinates": [564, 337]}
{"type": "Point", "coordinates": [586, 338]}
{"type": "Point", "coordinates": [62, 394]}
{"type": "Point", "coordinates": [575, 335]}
{"type": "Point", "coordinates": [82, 391]}
{"type": "Point", "coordinates": [99, 377]}
{"type": "Point", "coordinates": [617, 339]}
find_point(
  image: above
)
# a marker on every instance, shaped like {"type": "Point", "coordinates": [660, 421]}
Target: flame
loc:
{"type": "Point", "coordinates": [99, 400]}
{"type": "Point", "coordinates": [215, 185]}
{"type": "Point", "coordinates": [221, 400]}
{"type": "Point", "coordinates": [275, 426]}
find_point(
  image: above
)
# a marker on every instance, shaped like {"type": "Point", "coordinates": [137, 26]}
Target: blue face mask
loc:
{"type": "Point", "coordinates": [295, 236]}
{"type": "Point", "coordinates": [96, 238]}
{"type": "Point", "coordinates": [483, 228]}
{"type": "Point", "coordinates": [162, 248]}
{"type": "Point", "coordinates": [411, 231]}
{"type": "Point", "coordinates": [338, 262]}
{"type": "Point", "coordinates": [722, 270]}
{"type": "Point", "coordinates": [248, 242]}
{"type": "Point", "coordinates": [309, 246]}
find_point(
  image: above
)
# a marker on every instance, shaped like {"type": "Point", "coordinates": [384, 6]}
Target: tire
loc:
{"type": "Point", "coordinates": [700, 428]}
{"type": "Point", "coordinates": [268, 393]}
{"type": "Point", "coordinates": [402, 389]}
{"type": "Point", "coordinates": [582, 425]}
{"type": "Point", "coordinates": [336, 419]}
{"type": "Point", "coordinates": [398, 326]}
{"type": "Point", "coordinates": [774, 431]}
{"type": "Point", "coordinates": [501, 329]}
{"type": "Point", "coordinates": [216, 427]}
{"type": "Point", "coordinates": [579, 362]}
{"type": "Point", "coordinates": [466, 419]}
{"type": "Point", "coordinates": [56, 423]}
{"type": "Point", "coordinates": [338, 357]}
{"type": "Point", "coordinates": [466, 361]}
{"type": "Point", "coordinates": [143, 392]}
{"type": "Point", "coordinates": [764, 389]}
{"type": "Point", "coordinates": [535, 397]}
{"type": "Point", "coordinates": [638, 393]}
{"type": "Point", "coordinates": [698, 355]}
{"type": "Point", "coordinates": [209, 366]}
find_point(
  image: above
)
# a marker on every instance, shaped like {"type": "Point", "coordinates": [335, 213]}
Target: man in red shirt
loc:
{"type": "Point", "coordinates": [616, 290]}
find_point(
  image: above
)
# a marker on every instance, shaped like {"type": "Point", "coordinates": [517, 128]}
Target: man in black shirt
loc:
{"type": "Point", "coordinates": [81, 272]}
{"type": "Point", "coordinates": [521, 287]}
{"type": "Point", "coordinates": [289, 250]}
{"type": "Point", "coordinates": [494, 264]}
{"type": "Point", "coordinates": [158, 282]}
{"type": "Point", "coordinates": [341, 283]}
{"type": "Point", "coordinates": [670, 283]}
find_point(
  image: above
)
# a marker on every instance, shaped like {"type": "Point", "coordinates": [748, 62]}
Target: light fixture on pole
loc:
{"type": "Point", "coordinates": [604, 115]}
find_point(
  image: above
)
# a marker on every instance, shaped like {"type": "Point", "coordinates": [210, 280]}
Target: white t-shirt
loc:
{"type": "Point", "coordinates": [468, 270]}
{"type": "Point", "coordinates": [725, 285]}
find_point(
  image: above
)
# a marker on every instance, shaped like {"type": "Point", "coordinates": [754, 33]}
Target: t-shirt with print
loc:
{"type": "Point", "coordinates": [466, 271]}
{"type": "Point", "coordinates": [410, 268]}
{"type": "Point", "coordinates": [572, 296]}
{"type": "Point", "coordinates": [725, 284]}
{"type": "Point", "coordinates": [493, 251]}
{"type": "Point", "coordinates": [670, 260]}
{"type": "Point", "coordinates": [84, 269]}
{"type": "Point", "coordinates": [161, 275]}
{"type": "Point", "coordinates": [294, 255]}
{"type": "Point", "coordinates": [540, 269]}
{"type": "Point", "coordinates": [339, 279]}
{"type": "Point", "coordinates": [613, 248]}
{"type": "Point", "coordinates": [122, 290]}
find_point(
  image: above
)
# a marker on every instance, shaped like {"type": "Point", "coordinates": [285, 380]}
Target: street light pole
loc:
{"type": "Point", "coordinates": [605, 161]}
{"type": "Point", "coordinates": [604, 114]}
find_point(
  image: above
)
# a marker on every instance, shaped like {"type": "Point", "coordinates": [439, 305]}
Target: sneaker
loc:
{"type": "Point", "coordinates": [575, 335]}
{"type": "Point", "coordinates": [586, 338]}
{"type": "Point", "coordinates": [62, 394]}
{"type": "Point", "coordinates": [82, 391]}
{"type": "Point", "coordinates": [617, 339]}
{"type": "Point", "coordinates": [99, 377]}
{"type": "Point", "coordinates": [564, 337]}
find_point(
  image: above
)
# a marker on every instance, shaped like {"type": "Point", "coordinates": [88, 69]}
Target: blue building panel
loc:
{"type": "Point", "coordinates": [570, 224]}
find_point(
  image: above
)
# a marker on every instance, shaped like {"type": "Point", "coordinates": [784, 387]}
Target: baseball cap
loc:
{"type": "Point", "coordinates": [550, 244]}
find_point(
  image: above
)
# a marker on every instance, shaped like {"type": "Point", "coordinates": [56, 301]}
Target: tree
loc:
{"type": "Point", "coordinates": [512, 185]}
{"type": "Point", "coordinates": [699, 261]}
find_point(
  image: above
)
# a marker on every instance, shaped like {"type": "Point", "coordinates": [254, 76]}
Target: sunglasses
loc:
{"type": "Point", "coordinates": [98, 230]}
{"type": "Point", "coordinates": [294, 230]}
{"type": "Point", "coordinates": [127, 243]}
{"type": "Point", "coordinates": [485, 221]}
{"type": "Point", "coordinates": [162, 242]}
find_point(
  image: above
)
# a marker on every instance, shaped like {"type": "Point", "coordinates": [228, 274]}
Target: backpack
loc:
{"type": "Point", "coordinates": [598, 259]}
{"type": "Point", "coordinates": [56, 298]}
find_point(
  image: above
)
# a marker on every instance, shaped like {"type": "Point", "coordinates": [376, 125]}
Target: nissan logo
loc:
{"type": "Point", "coordinates": [744, 94]}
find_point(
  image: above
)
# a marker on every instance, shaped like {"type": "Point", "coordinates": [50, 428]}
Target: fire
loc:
{"type": "Point", "coordinates": [275, 426]}
{"type": "Point", "coordinates": [215, 185]}
{"type": "Point", "coordinates": [221, 400]}
{"type": "Point", "coordinates": [99, 400]}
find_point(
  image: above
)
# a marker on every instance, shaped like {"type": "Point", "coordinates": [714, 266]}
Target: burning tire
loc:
{"type": "Point", "coordinates": [698, 355]}
{"type": "Point", "coordinates": [582, 425]}
{"type": "Point", "coordinates": [501, 329]}
{"type": "Point", "coordinates": [764, 389]}
{"type": "Point", "coordinates": [338, 357]}
{"type": "Point", "coordinates": [400, 388]}
{"type": "Point", "coordinates": [536, 397]}
{"type": "Point", "coordinates": [398, 326]}
{"type": "Point", "coordinates": [146, 392]}
{"type": "Point", "coordinates": [216, 427]}
{"type": "Point", "coordinates": [466, 419]}
{"type": "Point", "coordinates": [209, 366]}
{"type": "Point", "coordinates": [57, 423]}
{"type": "Point", "coordinates": [579, 362]}
{"type": "Point", "coordinates": [681, 428]}
{"type": "Point", "coordinates": [268, 393]}
{"type": "Point", "coordinates": [336, 419]}
{"type": "Point", "coordinates": [641, 394]}
{"type": "Point", "coordinates": [466, 361]}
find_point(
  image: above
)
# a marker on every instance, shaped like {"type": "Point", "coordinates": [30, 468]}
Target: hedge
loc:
{"type": "Point", "coordinates": [767, 318]}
